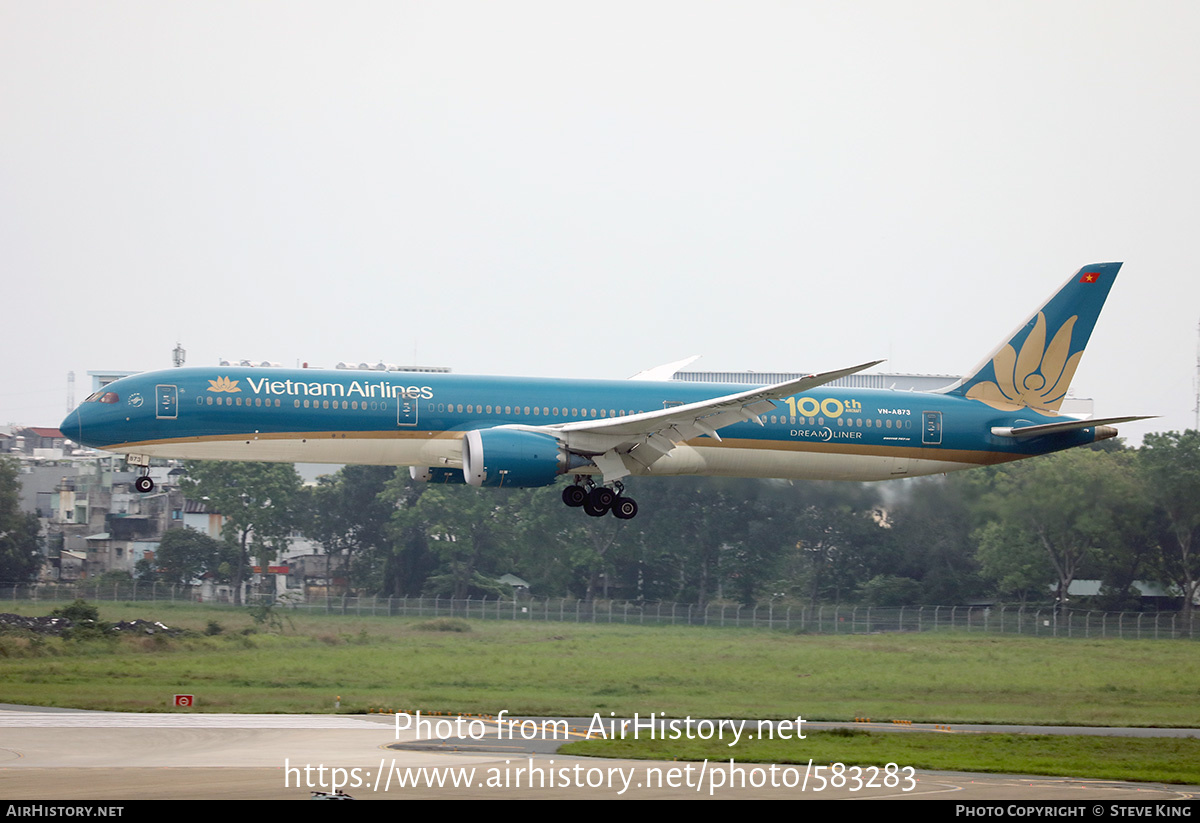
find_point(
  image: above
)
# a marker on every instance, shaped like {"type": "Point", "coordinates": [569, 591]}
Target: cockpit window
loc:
{"type": "Point", "coordinates": [103, 397]}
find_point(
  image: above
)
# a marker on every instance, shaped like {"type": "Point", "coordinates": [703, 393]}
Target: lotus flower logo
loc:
{"type": "Point", "coordinates": [223, 384]}
{"type": "Point", "coordinates": [1038, 376]}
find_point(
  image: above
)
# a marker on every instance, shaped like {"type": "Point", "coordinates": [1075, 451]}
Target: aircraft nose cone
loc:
{"type": "Point", "coordinates": [72, 427]}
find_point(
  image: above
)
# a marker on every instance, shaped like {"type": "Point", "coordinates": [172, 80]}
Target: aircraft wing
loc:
{"type": "Point", "coordinates": [666, 371]}
{"type": "Point", "coordinates": [646, 437]}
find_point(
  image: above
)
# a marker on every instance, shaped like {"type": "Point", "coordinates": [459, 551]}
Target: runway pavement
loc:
{"type": "Point", "coordinates": [65, 755]}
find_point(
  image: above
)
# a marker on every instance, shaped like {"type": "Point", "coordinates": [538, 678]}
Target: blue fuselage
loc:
{"type": "Point", "coordinates": [419, 419]}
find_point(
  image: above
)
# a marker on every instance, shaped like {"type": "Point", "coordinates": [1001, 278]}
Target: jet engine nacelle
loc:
{"type": "Point", "coordinates": [504, 457]}
{"type": "Point", "coordinates": [435, 474]}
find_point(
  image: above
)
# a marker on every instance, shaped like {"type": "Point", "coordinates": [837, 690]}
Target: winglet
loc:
{"type": "Point", "coordinates": [814, 380]}
{"type": "Point", "coordinates": [666, 371]}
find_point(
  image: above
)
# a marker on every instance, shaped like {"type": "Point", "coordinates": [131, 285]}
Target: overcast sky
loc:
{"type": "Point", "coordinates": [591, 189]}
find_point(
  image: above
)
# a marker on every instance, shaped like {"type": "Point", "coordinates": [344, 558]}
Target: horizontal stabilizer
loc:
{"type": "Point", "coordinates": [1065, 426]}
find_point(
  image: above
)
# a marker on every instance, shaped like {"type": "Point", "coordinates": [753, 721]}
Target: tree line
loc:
{"type": "Point", "coordinates": [1021, 531]}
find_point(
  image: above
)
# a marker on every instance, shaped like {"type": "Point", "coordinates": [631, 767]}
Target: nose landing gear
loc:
{"type": "Point", "coordinates": [143, 483]}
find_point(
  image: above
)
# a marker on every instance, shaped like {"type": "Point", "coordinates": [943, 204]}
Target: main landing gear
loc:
{"type": "Point", "coordinates": [597, 501]}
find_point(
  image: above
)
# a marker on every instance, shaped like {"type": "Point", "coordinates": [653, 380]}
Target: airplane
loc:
{"type": "Point", "coordinates": [529, 432]}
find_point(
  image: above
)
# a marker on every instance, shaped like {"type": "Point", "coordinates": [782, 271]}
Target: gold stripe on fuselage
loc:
{"type": "Point", "coordinates": [974, 457]}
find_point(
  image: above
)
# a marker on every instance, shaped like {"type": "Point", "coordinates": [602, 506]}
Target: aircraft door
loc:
{"type": "Point", "coordinates": [406, 411]}
{"type": "Point", "coordinates": [931, 428]}
{"type": "Point", "coordinates": [166, 402]}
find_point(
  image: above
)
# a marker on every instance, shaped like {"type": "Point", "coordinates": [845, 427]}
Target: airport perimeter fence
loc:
{"type": "Point", "coordinates": [824, 619]}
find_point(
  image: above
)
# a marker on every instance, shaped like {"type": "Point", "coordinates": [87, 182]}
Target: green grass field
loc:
{"type": "Point", "coordinates": [536, 669]}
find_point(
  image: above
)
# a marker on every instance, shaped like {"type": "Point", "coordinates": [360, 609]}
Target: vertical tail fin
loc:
{"type": "Point", "coordinates": [1034, 366]}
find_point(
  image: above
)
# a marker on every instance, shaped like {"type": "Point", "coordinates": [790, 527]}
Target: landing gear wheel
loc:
{"type": "Point", "coordinates": [144, 484]}
{"type": "Point", "coordinates": [592, 510]}
{"type": "Point", "coordinates": [602, 497]}
{"type": "Point", "coordinates": [574, 496]}
{"type": "Point", "coordinates": [624, 508]}
{"type": "Point", "coordinates": [599, 501]}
